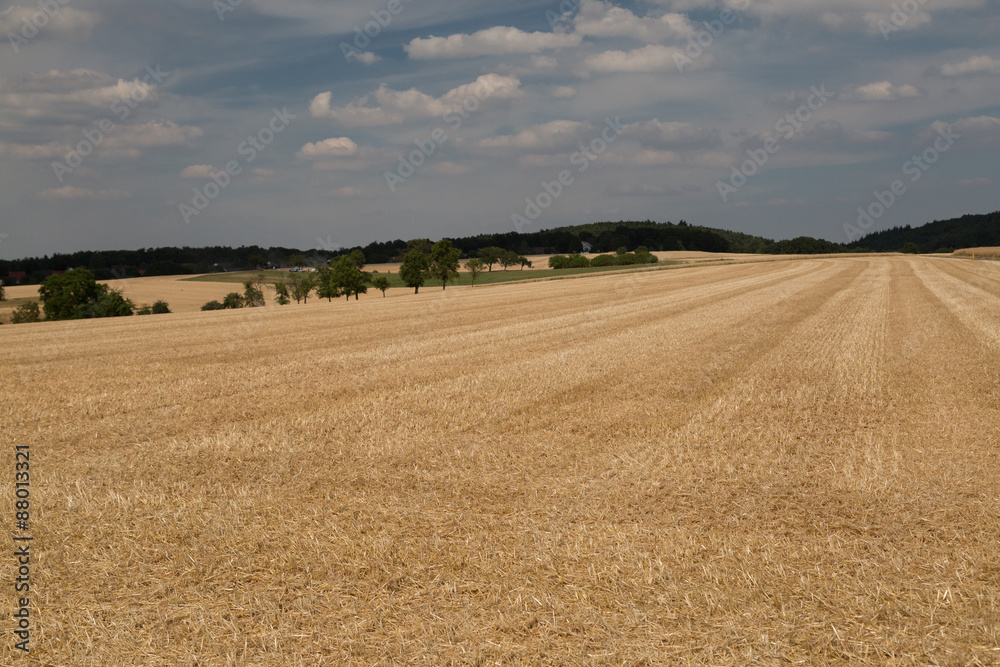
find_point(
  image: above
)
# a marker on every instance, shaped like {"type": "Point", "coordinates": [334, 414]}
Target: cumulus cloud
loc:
{"type": "Point", "coordinates": [61, 95]}
{"type": "Point", "coordinates": [881, 91]}
{"type": "Point", "coordinates": [602, 19]}
{"type": "Point", "coordinates": [71, 192]}
{"type": "Point", "coordinates": [333, 147]}
{"type": "Point", "coordinates": [650, 58]}
{"type": "Point", "coordinates": [495, 41]}
{"type": "Point", "coordinates": [556, 136]}
{"type": "Point", "coordinates": [368, 58]}
{"type": "Point", "coordinates": [974, 65]}
{"type": "Point", "coordinates": [394, 106]}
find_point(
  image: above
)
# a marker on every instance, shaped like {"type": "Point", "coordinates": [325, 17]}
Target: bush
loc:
{"type": "Point", "coordinates": [144, 309]}
{"type": "Point", "coordinates": [111, 304]}
{"type": "Point", "coordinates": [213, 305]}
{"type": "Point", "coordinates": [558, 261]}
{"type": "Point", "coordinates": [603, 260]}
{"type": "Point", "coordinates": [233, 300]}
{"type": "Point", "coordinates": [26, 313]}
{"type": "Point", "coordinates": [161, 307]}
{"type": "Point", "coordinates": [911, 248]}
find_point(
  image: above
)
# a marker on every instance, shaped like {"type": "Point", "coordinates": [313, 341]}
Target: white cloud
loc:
{"type": "Point", "coordinates": [333, 147]}
{"type": "Point", "coordinates": [650, 58]}
{"type": "Point", "coordinates": [977, 131]}
{"type": "Point", "coordinates": [974, 65]}
{"type": "Point", "coordinates": [555, 136]}
{"type": "Point", "coordinates": [55, 94]}
{"type": "Point", "coordinates": [602, 19]}
{"type": "Point", "coordinates": [66, 21]}
{"type": "Point", "coordinates": [670, 134]}
{"type": "Point", "coordinates": [127, 141]}
{"type": "Point", "coordinates": [71, 192]}
{"type": "Point", "coordinates": [394, 106]}
{"type": "Point", "coordinates": [197, 171]}
{"type": "Point", "coordinates": [495, 41]}
{"type": "Point", "coordinates": [368, 58]}
{"type": "Point", "coordinates": [882, 91]}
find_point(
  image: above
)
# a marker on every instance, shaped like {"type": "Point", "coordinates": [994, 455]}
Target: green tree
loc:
{"type": "Point", "coordinates": [161, 307]}
{"type": "Point", "coordinates": [213, 305]}
{"type": "Point", "coordinates": [381, 283]}
{"type": "Point", "coordinates": [26, 313]}
{"type": "Point", "coordinates": [281, 293]}
{"type": "Point", "coordinates": [302, 284]}
{"type": "Point", "coordinates": [63, 295]}
{"type": "Point", "coordinates": [490, 255]}
{"type": "Point", "coordinates": [348, 278]}
{"type": "Point", "coordinates": [413, 270]}
{"type": "Point", "coordinates": [326, 288]}
{"type": "Point", "coordinates": [523, 261]}
{"type": "Point", "coordinates": [508, 259]}
{"type": "Point", "coordinates": [444, 261]}
{"type": "Point", "coordinates": [474, 266]}
{"type": "Point", "coordinates": [253, 294]}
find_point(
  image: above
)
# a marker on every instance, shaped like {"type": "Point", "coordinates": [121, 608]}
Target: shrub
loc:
{"type": "Point", "coordinates": [161, 307]}
{"type": "Point", "coordinates": [144, 309]}
{"type": "Point", "coordinates": [558, 261]}
{"type": "Point", "coordinates": [26, 313]}
{"type": "Point", "coordinates": [232, 300]}
{"type": "Point", "coordinates": [213, 305]}
{"type": "Point", "coordinates": [603, 260]}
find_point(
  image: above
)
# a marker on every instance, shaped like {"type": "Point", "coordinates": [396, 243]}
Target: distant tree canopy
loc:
{"type": "Point", "coordinates": [444, 261]}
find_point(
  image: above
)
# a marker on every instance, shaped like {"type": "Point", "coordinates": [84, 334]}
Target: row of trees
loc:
{"type": "Point", "coordinates": [621, 258]}
{"type": "Point", "coordinates": [76, 295]}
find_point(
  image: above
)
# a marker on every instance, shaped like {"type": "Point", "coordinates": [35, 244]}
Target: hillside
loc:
{"type": "Point", "coordinates": [969, 231]}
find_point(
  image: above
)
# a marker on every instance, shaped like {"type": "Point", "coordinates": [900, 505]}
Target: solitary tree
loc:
{"type": "Point", "coordinates": [474, 266]}
{"type": "Point", "coordinates": [523, 261]}
{"type": "Point", "coordinates": [326, 288]}
{"type": "Point", "coordinates": [381, 283]}
{"type": "Point", "coordinates": [63, 294]}
{"type": "Point", "coordinates": [413, 270]}
{"type": "Point", "coordinates": [444, 261]}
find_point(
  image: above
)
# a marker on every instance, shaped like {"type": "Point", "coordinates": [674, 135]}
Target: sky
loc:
{"type": "Point", "coordinates": [321, 124]}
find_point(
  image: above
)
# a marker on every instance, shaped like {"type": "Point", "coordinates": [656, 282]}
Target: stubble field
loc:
{"type": "Point", "coordinates": [791, 462]}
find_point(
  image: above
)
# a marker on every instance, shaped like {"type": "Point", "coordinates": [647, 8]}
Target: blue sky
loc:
{"type": "Point", "coordinates": [118, 119]}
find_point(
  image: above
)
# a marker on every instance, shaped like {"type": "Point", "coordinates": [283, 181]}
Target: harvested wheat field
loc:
{"type": "Point", "coordinates": [985, 253]}
{"type": "Point", "coordinates": [786, 462]}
